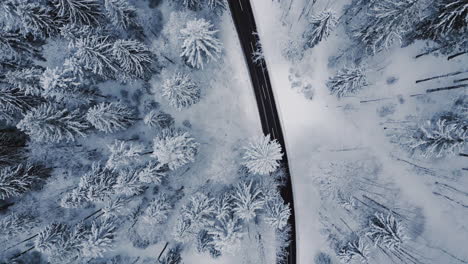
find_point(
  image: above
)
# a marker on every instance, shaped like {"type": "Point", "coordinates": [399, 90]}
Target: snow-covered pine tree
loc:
{"type": "Point", "coordinates": [157, 211]}
{"type": "Point", "coordinates": [96, 185]}
{"type": "Point", "coordinates": [199, 43]}
{"type": "Point", "coordinates": [70, 244]}
{"type": "Point", "coordinates": [49, 123]}
{"type": "Point", "coordinates": [14, 103]}
{"type": "Point", "coordinates": [443, 137]}
{"type": "Point", "coordinates": [181, 91]}
{"type": "Point", "coordinates": [451, 16]}
{"type": "Point", "coordinates": [15, 224]}
{"type": "Point", "coordinates": [124, 153]}
{"type": "Point", "coordinates": [172, 257]}
{"type": "Point", "coordinates": [183, 231]}
{"type": "Point", "coordinates": [120, 13]}
{"type": "Point", "coordinates": [174, 148]}
{"type": "Point", "coordinates": [386, 231]}
{"type": "Point", "coordinates": [111, 117]}
{"type": "Point", "coordinates": [217, 6]}
{"type": "Point", "coordinates": [94, 53]}
{"type": "Point", "coordinates": [152, 173]}
{"type": "Point", "coordinates": [128, 183]}
{"type": "Point", "coordinates": [14, 48]}
{"type": "Point", "coordinates": [247, 200]}
{"type": "Point", "coordinates": [223, 206]}
{"type": "Point", "coordinates": [49, 239]}
{"type": "Point", "coordinates": [277, 213]}
{"type": "Point", "coordinates": [62, 85]}
{"type": "Point", "coordinates": [320, 27]}
{"type": "Point", "coordinates": [227, 233]}
{"type": "Point", "coordinates": [190, 4]}
{"type": "Point", "coordinates": [16, 180]}
{"type": "Point", "coordinates": [158, 119]}
{"type": "Point", "coordinates": [26, 80]}
{"type": "Point", "coordinates": [8, 16]}
{"type": "Point", "coordinates": [133, 57]}
{"type": "Point", "coordinates": [115, 207]}
{"type": "Point", "coordinates": [356, 250]}
{"type": "Point", "coordinates": [388, 21]}
{"type": "Point", "coordinates": [35, 19]}
{"type": "Point", "coordinates": [262, 155]}
{"type": "Point", "coordinates": [82, 12]}
{"type": "Point", "coordinates": [347, 81]}
{"type": "Point", "coordinates": [102, 235]}
{"type": "Point", "coordinates": [199, 211]}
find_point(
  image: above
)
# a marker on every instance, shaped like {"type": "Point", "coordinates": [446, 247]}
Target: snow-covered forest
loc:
{"type": "Point", "coordinates": [130, 134]}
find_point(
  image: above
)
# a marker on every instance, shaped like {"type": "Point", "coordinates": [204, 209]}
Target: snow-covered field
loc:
{"type": "Point", "coordinates": [336, 144]}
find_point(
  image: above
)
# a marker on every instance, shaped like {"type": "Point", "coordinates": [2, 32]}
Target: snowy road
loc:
{"type": "Point", "coordinates": [242, 14]}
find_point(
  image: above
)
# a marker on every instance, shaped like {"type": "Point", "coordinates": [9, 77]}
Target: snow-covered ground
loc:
{"type": "Point", "coordinates": [324, 132]}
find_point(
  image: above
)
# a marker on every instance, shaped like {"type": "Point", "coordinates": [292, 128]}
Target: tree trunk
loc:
{"type": "Point", "coordinates": [441, 76]}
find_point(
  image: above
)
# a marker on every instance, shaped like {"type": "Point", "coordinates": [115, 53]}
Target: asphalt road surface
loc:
{"type": "Point", "coordinates": [243, 17]}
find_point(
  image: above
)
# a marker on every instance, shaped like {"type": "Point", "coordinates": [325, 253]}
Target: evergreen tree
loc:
{"type": "Point", "coordinates": [48, 123]}
{"type": "Point", "coordinates": [14, 224]}
{"type": "Point", "coordinates": [347, 81]}
{"type": "Point", "coordinates": [450, 17]}
{"type": "Point", "coordinates": [49, 239]}
{"type": "Point", "coordinates": [386, 231]}
{"type": "Point", "coordinates": [94, 53]}
{"type": "Point", "coordinates": [223, 206]}
{"type": "Point", "coordinates": [157, 211]}
{"type": "Point", "coordinates": [199, 43]}
{"type": "Point", "coordinates": [120, 13]}
{"type": "Point", "coordinates": [227, 233]}
{"type": "Point", "coordinates": [174, 148]}
{"type": "Point", "coordinates": [83, 12]}
{"type": "Point", "coordinates": [199, 211]}
{"type": "Point", "coordinates": [102, 235]}
{"type": "Point", "coordinates": [388, 22]}
{"type": "Point", "coordinates": [124, 153]}
{"type": "Point", "coordinates": [158, 119]}
{"type": "Point", "coordinates": [218, 6]}
{"type": "Point", "coordinates": [172, 257]}
{"type": "Point", "coordinates": [14, 103]}
{"type": "Point", "coordinates": [181, 91]}
{"type": "Point", "coordinates": [96, 185]}
{"type": "Point", "coordinates": [133, 57]}
{"type": "Point", "coordinates": [61, 84]}
{"type": "Point", "coordinates": [26, 80]}
{"type": "Point", "coordinates": [262, 155]}
{"type": "Point", "coordinates": [190, 4]}
{"type": "Point", "coordinates": [247, 199]}
{"type": "Point", "coordinates": [128, 183]}
{"type": "Point", "coordinates": [35, 19]}
{"type": "Point", "coordinates": [440, 138]}
{"type": "Point", "coordinates": [12, 147]}
{"type": "Point", "coordinates": [152, 173]}
{"type": "Point", "coordinates": [320, 27]}
{"type": "Point", "coordinates": [110, 117]}
{"type": "Point", "coordinates": [356, 250]}
{"type": "Point", "coordinates": [115, 207]}
{"type": "Point", "coordinates": [16, 180]}
{"type": "Point", "coordinates": [277, 213]}
{"type": "Point", "coordinates": [8, 16]}
{"type": "Point", "coordinates": [14, 47]}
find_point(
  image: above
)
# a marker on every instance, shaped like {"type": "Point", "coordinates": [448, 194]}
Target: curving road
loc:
{"type": "Point", "coordinates": [244, 21]}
